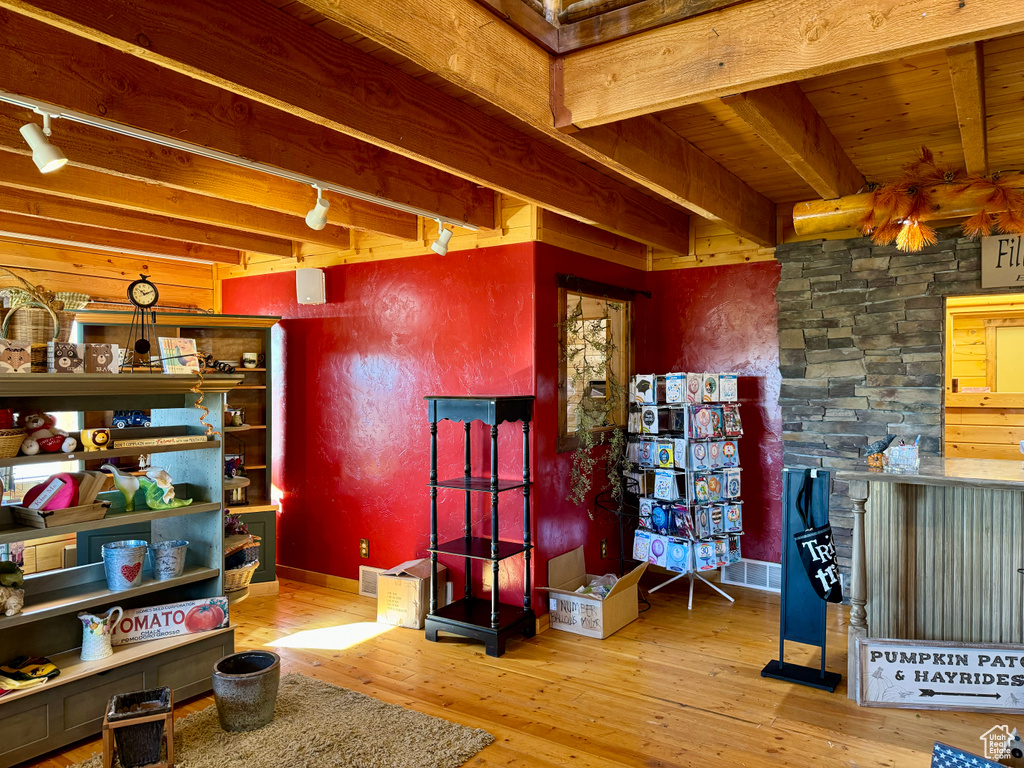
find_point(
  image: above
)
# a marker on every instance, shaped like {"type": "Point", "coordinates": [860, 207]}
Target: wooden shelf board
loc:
{"type": "Point", "coordinates": [138, 450]}
{"type": "Point", "coordinates": [91, 593]}
{"type": "Point", "coordinates": [255, 466]}
{"type": "Point", "coordinates": [235, 483]}
{"type": "Point", "coordinates": [479, 484]}
{"type": "Point", "coordinates": [250, 386]}
{"type": "Point", "coordinates": [73, 668]}
{"type": "Point", "coordinates": [237, 596]}
{"type": "Point", "coordinates": [479, 548]}
{"type": "Point", "coordinates": [77, 385]}
{"type": "Point", "coordinates": [11, 533]}
{"type": "Point", "coordinates": [254, 505]}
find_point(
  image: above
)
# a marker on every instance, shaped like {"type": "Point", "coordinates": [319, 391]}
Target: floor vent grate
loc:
{"type": "Point", "coordinates": [756, 574]}
{"type": "Point", "coordinates": [368, 580]}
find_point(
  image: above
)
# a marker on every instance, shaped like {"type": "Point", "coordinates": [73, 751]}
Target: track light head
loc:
{"type": "Point", "coordinates": [316, 219]}
{"type": "Point", "coordinates": [47, 157]}
{"type": "Point", "coordinates": [440, 246]}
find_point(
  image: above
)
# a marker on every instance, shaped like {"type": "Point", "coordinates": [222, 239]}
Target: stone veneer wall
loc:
{"type": "Point", "coordinates": [861, 349]}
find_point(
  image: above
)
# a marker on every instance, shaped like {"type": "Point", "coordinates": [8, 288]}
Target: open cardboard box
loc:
{"type": "Point", "coordinates": [588, 615]}
{"type": "Point", "coordinates": [403, 593]}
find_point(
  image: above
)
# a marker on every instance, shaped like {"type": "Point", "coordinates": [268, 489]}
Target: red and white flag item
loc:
{"type": "Point", "coordinates": [188, 618]}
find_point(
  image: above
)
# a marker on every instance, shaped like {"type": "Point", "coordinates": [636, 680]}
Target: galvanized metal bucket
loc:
{"type": "Point", "coordinates": [168, 559]}
{"type": "Point", "coordinates": [123, 562]}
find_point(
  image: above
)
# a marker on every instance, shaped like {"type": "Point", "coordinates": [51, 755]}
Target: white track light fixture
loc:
{"type": "Point", "coordinates": [47, 157]}
{"type": "Point", "coordinates": [317, 216]}
{"type": "Point", "coordinates": [440, 246]}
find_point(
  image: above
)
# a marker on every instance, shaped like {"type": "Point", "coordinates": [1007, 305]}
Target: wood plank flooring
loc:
{"type": "Point", "coordinates": [674, 689]}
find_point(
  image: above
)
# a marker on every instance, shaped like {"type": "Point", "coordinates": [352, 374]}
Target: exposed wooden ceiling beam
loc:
{"type": "Point", "coordinates": [681, 172]}
{"type": "Point", "coordinates": [714, 55]}
{"type": "Point", "coordinates": [527, 21]}
{"type": "Point", "coordinates": [135, 159]}
{"type": "Point", "coordinates": [59, 209]}
{"type": "Point", "coordinates": [788, 123]}
{"type": "Point", "coordinates": [482, 66]}
{"type": "Point", "coordinates": [43, 230]}
{"type": "Point", "coordinates": [19, 172]}
{"type": "Point", "coordinates": [817, 217]}
{"type": "Point", "coordinates": [316, 77]}
{"type": "Point", "coordinates": [967, 72]}
{"type": "Point", "coordinates": [96, 80]}
{"type": "Point", "coordinates": [485, 64]}
{"type": "Point", "coordinates": [647, 14]}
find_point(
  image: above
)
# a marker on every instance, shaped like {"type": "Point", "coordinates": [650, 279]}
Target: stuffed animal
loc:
{"type": "Point", "coordinates": [44, 436]}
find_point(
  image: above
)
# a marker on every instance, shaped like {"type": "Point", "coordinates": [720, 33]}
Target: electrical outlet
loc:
{"type": "Point", "coordinates": [364, 547]}
{"type": "Point", "coordinates": [604, 547]}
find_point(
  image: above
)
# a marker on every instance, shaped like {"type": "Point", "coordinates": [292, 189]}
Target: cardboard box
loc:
{"type": "Point", "coordinates": [588, 615]}
{"type": "Point", "coordinates": [403, 593]}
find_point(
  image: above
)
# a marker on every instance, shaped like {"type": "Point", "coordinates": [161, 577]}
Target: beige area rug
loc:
{"type": "Point", "coordinates": [319, 725]}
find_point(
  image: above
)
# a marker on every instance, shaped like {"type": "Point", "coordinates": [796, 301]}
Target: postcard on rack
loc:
{"type": "Point", "coordinates": [179, 355]}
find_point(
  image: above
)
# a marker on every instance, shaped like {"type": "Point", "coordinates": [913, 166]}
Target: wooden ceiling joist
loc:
{"type": "Point", "coordinates": [43, 230]}
{"type": "Point", "coordinates": [504, 68]}
{"type": "Point", "coordinates": [676, 169]}
{"type": "Point", "coordinates": [59, 210]}
{"type": "Point", "coordinates": [315, 77]}
{"type": "Point", "coordinates": [135, 159]}
{"type": "Point", "coordinates": [722, 53]}
{"type": "Point", "coordinates": [788, 123]}
{"type": "Point", "coordinates": [967, 73]}
{"type": "Point", "coordinates": [19, 172]}
{"type": "Point", "coordinates": [104, 82]}
{"type": "Point", "coordinates": [635, 17]}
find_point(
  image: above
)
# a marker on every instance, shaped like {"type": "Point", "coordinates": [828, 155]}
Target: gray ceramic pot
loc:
{"type": "Point", "coordinates": [245, 689]}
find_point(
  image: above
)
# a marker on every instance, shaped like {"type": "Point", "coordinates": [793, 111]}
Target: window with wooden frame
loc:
{"type": "Point", "coordinates": [595, 355]}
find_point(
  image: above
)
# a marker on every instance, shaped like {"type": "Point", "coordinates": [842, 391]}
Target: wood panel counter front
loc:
{"type": "Point", "coordinates": [936, 553]}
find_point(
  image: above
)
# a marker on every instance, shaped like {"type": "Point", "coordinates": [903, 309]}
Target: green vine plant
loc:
{"type": "Point", "coordinates": [587, 348]}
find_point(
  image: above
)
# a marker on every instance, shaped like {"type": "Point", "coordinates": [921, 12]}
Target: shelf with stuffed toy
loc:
{"type": "Point", "coordinates": [43, 442]}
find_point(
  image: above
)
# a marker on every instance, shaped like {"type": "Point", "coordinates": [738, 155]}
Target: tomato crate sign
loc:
{"type": "Point", "coordinates": [157, 621]}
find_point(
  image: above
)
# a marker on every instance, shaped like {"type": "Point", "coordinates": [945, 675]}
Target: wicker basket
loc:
{"type": "Point", "coordinates": [239, 578]}
{"type": "Point", "coordinates": [10, 442]}
{"type": "Point", "coordinates": [37, 324]}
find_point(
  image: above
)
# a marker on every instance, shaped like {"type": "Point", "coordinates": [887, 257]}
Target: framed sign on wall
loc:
{"type": "Point", "coordinates": [923, 674]}
{"type": "Point", "coordinates": [1002, 261]}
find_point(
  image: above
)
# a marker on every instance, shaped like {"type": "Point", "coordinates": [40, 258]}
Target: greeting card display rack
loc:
{"type": "Point", "coordinates": [489, 621]}
{"type": "Point", "coordinates": [685, 450]}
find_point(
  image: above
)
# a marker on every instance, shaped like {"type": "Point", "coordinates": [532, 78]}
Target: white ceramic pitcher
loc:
{"type": "Point", "coordinates": [96, 634]}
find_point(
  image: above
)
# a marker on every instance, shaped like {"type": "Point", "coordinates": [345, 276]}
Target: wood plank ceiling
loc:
{"type": "Point", "coordinates": [439, 103]}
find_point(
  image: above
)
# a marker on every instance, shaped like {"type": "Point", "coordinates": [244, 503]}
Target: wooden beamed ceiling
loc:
{"type": "Point", "coordinates": [199, 55]}
{"type": "Point", "coordinates": [719, 54]}
{"type": "Point", "coordinates": [697, 116]}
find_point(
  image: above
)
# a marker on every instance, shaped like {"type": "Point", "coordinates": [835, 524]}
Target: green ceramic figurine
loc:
{"type": "Point", "coordinates": [159, 491]}
{"type": "Point", "coordinates": [156, 484]}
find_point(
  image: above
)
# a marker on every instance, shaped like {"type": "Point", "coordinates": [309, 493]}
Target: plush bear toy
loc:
{"type": "Point", "coordinates": [43, 435]}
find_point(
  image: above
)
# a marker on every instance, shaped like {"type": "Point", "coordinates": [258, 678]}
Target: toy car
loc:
{"type": "Point", "coordinates": [124, 419]}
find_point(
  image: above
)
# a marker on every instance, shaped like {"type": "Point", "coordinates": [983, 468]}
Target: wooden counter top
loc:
{"type": "Point", "coordinates": [995, 474]}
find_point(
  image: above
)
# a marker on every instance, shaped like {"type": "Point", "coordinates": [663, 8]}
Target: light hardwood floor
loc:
{"type": "Point", "coordinates": [675, 688]}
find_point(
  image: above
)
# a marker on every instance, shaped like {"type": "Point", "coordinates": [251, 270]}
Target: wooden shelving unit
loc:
{"type": "Point", "coordinates": [226, 337]}
{"type": "Point", "coordinates": [37, 720]}
{"type": "Point", "coordinates": [487, 620]}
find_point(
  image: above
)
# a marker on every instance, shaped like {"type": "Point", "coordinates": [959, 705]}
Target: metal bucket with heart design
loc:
{"type": "Point", "coordinates": [123, 562]}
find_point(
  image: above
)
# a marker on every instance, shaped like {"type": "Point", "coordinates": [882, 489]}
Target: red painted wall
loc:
{"type": "Point", "coordinates": [561, 525]}
{"type": "Point", "coordinates": [726, 319]}
{"type": "Point", "coordinates": [353, 450]}
{"type": "Point", "coordinates": [352, 454]}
